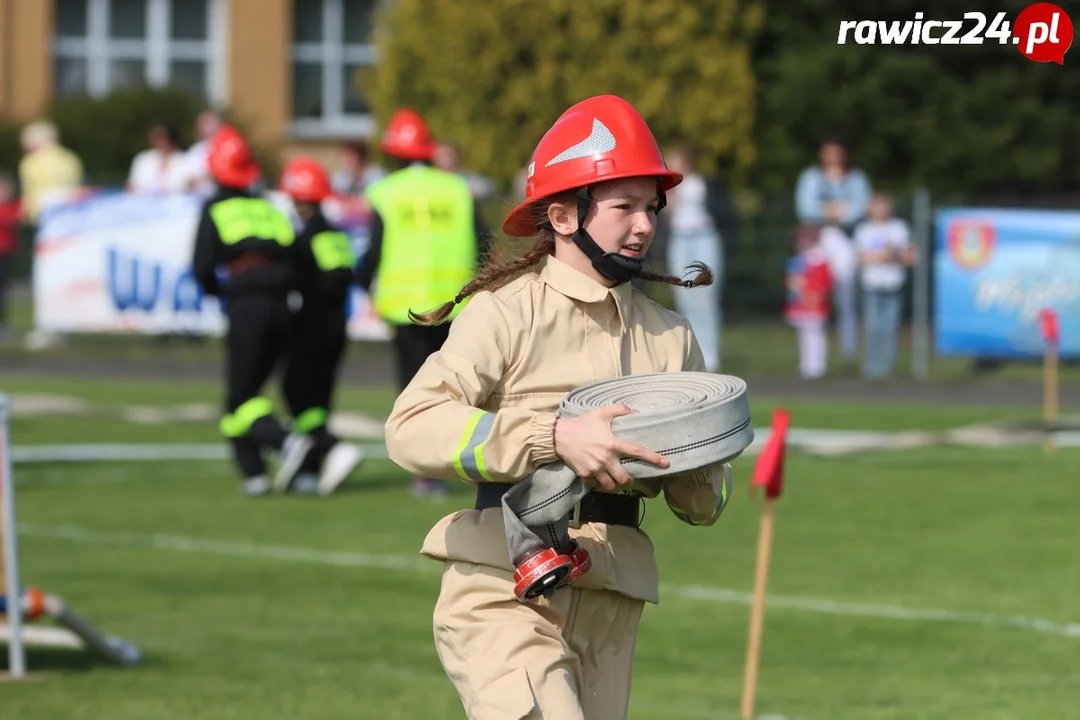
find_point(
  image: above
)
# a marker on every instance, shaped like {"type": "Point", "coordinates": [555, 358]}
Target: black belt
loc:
{"type": "Point", "coordinates": [596, 507]}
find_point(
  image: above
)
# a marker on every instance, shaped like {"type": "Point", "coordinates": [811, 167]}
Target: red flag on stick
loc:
{"type": "Point", "coordinates": [768, 474]}
{"type": "Point", "coordinates": [1051, 335]}
{"type": "Point", "coordinates": [769, 470]}
{"type": "Point", "coordinates": [1048, 326]}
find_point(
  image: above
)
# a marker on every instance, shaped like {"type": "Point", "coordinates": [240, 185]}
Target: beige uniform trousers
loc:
{"type": "Point", "coordinates": [569, 657]}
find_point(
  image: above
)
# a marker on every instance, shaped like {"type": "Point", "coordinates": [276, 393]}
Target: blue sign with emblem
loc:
{"type": "Point", "coordinates": [995, 271]}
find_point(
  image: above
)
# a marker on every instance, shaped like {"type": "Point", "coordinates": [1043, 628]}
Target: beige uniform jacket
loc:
{"type": "Point", "coordinates": [483, 409]}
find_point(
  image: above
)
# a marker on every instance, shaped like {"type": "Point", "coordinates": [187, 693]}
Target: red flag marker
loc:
{"type": "Point", "coordinates": [768, 475]}
{"type": "Point", "coordinates": [1048, 326]}
{"type": "Point", "coordinates": [1051, 335]}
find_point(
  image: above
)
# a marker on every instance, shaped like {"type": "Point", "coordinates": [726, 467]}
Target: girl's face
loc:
{"type": "Point", "coordinates": [621, 219]}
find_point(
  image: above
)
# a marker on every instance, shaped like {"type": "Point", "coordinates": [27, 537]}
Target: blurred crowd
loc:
{"type": "Point", "coordinates": [846, 275]}
{"type": "Point", "coordinates": [849, 246]}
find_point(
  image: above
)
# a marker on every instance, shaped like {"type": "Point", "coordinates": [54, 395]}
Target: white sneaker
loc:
{"type": "Point", "coordinates": [340, 462]}
{"type": "Point", "coordinates": [255, 486]}
{"type": "Point", "coordinates": [306, 483]}
{"type": "Point", "coordinates": [293, 451]}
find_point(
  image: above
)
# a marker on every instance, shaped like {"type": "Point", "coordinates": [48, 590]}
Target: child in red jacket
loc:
{"type": "Point", "coordinates": [809, 286]}
{"type": "Point", "coordinates": [9, 233]}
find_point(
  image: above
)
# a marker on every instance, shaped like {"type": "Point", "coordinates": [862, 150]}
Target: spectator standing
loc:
{"type": "Point", "coordinates": [10, 210]}
{"type": "Point", "coordinates": [885, 252]}
{"type": "Point", "coordinates": [47, 169]}
{"type": "Point", "coordinates": [835, 193]}
{"type": "Point", "coordinates": [356, 172]}
{"type": "Point", "coordinates": [162, 168]}
{"type": "Point", "coordinates": [199, 180]}
{"type": "Point", "coordinates": [807, 308]}
{"type": "Point", "coordinates": [696, 211]}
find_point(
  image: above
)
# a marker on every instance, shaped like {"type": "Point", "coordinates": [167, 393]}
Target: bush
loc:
{"type": "Point", "coordinates": [107, 132]}
{"type": "Point", "coordinates": [496, 82]}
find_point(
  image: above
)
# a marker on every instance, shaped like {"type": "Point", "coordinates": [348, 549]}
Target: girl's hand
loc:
{"type": "Point", "coordinates": [593, 451]}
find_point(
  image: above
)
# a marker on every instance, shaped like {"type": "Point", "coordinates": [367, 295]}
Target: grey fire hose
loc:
{"type": "Point", "coordinates": [694, 419]}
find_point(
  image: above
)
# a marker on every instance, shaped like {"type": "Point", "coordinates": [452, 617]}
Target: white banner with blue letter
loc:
{"type": "Point", "coordinates": [112, 262]}
{"type": "Point", "coordinates": [995, 270]}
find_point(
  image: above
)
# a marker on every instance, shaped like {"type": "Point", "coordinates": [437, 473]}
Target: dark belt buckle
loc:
{"type": "Point", "coordinates": [575, 516]}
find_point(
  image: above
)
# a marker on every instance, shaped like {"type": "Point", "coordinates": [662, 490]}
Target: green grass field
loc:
{"type": "Point", "coordinates": [751, 348]}
{"type": "Point", "coordinates": [903, 586]}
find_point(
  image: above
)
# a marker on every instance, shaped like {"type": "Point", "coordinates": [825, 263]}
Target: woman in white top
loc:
{"type": "Point", "coordinates": [163, 168]}
{"type": "Point", "coordinates": [694, 236]}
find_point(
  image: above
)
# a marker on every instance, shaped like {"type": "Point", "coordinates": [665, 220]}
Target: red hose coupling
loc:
{"type": "Point", "coordinates": [541, 574]}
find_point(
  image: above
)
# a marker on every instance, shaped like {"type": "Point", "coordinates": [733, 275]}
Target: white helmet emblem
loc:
{"type": "Point", "coordinates": [600, 140]}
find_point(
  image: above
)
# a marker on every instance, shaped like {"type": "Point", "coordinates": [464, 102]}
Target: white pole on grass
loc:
{"type": "Point", "coordinates": [9, 558]}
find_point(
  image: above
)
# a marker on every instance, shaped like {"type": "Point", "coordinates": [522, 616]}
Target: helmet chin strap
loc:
{"type": "Point", "coordinates": [614, 266]}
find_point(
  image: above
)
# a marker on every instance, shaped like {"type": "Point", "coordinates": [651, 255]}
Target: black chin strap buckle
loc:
{"type": "Point", "coordinates": [613, 266]}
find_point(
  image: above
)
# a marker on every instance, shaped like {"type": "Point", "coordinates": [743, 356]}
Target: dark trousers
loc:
{"type": "Point", "coordinates": [316, 348]}
{"type": "Point", "coordinates": [412, 346]}
{"type": "Point", "coordinates": [256, 341]}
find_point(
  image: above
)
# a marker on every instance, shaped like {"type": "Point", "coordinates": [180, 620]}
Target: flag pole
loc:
{"type": "Point", "coordinates": [1051, 334]}
{"type": "Point", "coordinates": [757, 610]}
{"type": "Point", "coordinates": [769, 476]}
{"type": "Point", "coordinates": [1050, 396]}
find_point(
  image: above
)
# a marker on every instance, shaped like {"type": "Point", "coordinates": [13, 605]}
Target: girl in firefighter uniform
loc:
{"type": "Point", "coordinates": [483, 409]}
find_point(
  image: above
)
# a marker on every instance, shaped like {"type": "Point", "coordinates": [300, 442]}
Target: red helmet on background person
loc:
{"type": "Point", "coordinates": [599, 139]}
{"type": "Point", "coordinates": [305, 179]}
{"type": "Point", "coordinates": [230, 160]}
{"type": "Point", "coordinates": [408, 137]}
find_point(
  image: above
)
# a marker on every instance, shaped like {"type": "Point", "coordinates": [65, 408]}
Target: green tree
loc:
{"type": "Point", "coordinates": [492, 76]}
{"type": "Point", "coordinates": [955, 118]}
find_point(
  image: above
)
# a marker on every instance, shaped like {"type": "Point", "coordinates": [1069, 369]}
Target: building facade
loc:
{"type": "Point", "coordinates": [286, 67]}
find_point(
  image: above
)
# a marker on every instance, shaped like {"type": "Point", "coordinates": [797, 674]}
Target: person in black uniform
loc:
{"type": "Point", "coordinates": [318, 338]}
{"type": "Point", "coordinates": [253, 245]}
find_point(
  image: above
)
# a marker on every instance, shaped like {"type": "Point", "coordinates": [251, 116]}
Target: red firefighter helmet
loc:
{"type": "Point", "coordinates": [407, 136]}
{"type": "Point", "coordinates": [229, 159]}
{"type": "Point", "coordinates": [599, 139]}
{"type": "Point", "coordinates": [305, 179]}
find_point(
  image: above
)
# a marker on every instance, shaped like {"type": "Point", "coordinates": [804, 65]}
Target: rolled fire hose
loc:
{"type": "Point", "coordinates": [694, 419]}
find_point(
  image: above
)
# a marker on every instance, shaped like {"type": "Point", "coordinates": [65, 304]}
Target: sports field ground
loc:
{"type": "Point", "coordinates": [938, 583]}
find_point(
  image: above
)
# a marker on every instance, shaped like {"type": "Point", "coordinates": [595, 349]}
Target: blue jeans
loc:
{"type": "Point", "coordinates": [881, 315]}
{"type": "Point", "coordinates": [701, 306]}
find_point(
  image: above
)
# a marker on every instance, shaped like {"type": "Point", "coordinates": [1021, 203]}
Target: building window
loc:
{"type": "Point", "coordinates": [332, 50]}
{"type": "Point", "coordinates": [102, 45]}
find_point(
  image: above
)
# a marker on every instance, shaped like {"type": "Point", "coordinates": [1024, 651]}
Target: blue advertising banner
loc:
{"type": "Point", "coordinates": [995, 271]}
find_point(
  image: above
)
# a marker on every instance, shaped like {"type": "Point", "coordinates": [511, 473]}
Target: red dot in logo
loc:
{"type": "Point", "coordinates": [1043, 32]}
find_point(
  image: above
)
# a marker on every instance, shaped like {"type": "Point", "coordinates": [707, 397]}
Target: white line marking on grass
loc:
{"type": "Point", "coordinates": [891, 612]}
{"type": "Point", "coordinates": [112, 452]}
{"type": "Point", "coordinates": [315, 556]}
{"type": "Point", "coordinates": [229, 548]}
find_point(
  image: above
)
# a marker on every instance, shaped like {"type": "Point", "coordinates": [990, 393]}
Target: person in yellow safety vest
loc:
{"type": "Point", "coordinates": [248, 241]}
{"type": "Point", "coordinates": [427, 241]}
{"type": "Point", "coordinates": [318, 339]}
